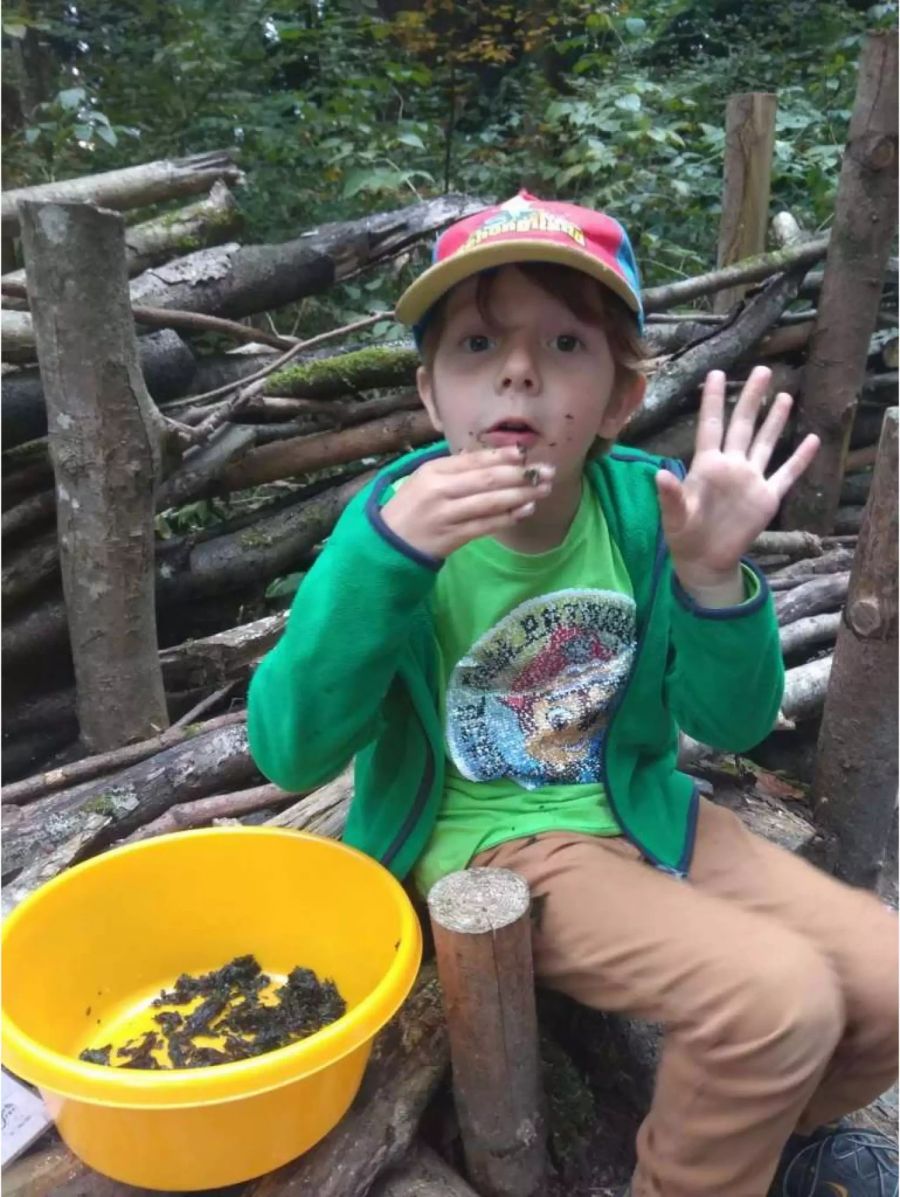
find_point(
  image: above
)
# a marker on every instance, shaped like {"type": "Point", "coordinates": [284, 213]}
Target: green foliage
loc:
{"type": "Point", "coordinates": [338, 109]}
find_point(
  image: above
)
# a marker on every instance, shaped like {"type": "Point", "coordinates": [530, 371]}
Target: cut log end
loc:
{"type": "Point", "coordinates": [475, 901]}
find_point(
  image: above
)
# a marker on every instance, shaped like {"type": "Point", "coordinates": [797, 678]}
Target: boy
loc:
{"type": "Point", "coordinates": [507, 631]}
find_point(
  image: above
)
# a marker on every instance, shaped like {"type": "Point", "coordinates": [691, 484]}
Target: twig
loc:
{"type": "Point", "coordinates": [20, 792]}
{"type": "Point", "coordinates": [203, 705]}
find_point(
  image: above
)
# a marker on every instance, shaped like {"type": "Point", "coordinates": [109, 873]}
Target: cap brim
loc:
{"type": "Point", "coordinates": [439, 278]}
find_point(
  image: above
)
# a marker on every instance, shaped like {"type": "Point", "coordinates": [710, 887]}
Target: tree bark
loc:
{"type": "Point", "coordinates": [813, 630]}
{"type": "Point", "coordinates": [205, 764]}
{"type": "Point", "coordinates": [422, 1174]}
{"type": "Point", "coordinates": [855, 786]}
{"type": "Point", "coordinates": [826, 593]}
{"type": "Point", "coordinates": [864, 227]}
{"type": "Point", "coordinates": [104, 444]}
{"type": "Point", "coordinates": [346, 373]}
{"type": "Point", "coordinates": [243, 281]}
{"type": "Point", "coordinates": [202, 811]}
{"type": "Point", "coordinates": [132, 187]}
{"type": "Point", "coordinates": [749, 139]}
{"type": "Point", "coordinates": [408, 1060]}
{"type": "Point", "coordinates": [480, 919]}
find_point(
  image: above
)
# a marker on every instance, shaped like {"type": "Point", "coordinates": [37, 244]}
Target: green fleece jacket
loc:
{"type": "Point", "coordinates": [356, 673]}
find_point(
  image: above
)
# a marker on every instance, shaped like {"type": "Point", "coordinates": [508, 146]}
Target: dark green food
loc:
{"type": "Point", "coordinates": [233, 1012]}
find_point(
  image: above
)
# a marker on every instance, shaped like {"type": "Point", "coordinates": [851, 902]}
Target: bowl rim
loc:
{"type": "Point", "coordinates": [97, 1084]}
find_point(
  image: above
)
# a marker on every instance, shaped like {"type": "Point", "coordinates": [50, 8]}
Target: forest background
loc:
{"type": "Point", "coordinates": [340, 108]}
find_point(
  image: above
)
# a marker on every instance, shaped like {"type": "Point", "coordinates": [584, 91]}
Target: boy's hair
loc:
{"type": "Point", "coordinates": [586, 298]}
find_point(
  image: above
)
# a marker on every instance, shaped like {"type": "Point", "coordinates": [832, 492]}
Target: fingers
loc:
{"type": "Point", "coordinates": [672, 502]}
{"type": "Point", "coordinates": [767, 438]}
{"type": "Point", "coordinates": [712, 408]}
{"type": "Point", "coordinates": [786, 475]}
{"type": "Point", "coordinates": [743, 419]}
{"type": "Point", "coordinates": [490, 504]}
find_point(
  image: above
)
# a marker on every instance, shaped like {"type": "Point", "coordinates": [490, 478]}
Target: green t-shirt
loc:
{"type": "Point", "coordinates": [533, 648]}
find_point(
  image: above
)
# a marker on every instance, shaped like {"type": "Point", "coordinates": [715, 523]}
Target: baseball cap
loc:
{"type": "Point", "coordinates": [526, 229]}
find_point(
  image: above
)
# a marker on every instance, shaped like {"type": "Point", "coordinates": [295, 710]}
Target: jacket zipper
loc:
{"type": "Point", "coordinates": [661, 550]}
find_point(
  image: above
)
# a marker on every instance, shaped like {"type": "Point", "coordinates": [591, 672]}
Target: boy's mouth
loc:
{"type": "Point", "coordinates": [511, 431]}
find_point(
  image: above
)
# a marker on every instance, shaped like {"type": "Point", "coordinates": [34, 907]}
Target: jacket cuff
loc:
{"type": "Point", "coordinates": [756, 592]}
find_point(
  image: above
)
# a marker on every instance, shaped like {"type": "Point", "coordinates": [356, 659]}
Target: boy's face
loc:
{"type": "Point", "coordinates": [536, 375]}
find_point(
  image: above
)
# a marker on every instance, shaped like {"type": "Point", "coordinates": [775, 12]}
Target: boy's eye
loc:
{"type": "Point", "coordinates": [567, 342]}
{"type": "Point", "coordinates": [477, 343]}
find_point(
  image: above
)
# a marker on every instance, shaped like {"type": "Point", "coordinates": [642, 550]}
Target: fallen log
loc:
{"type": "Point", "coordinates": [825, 593]}
{"type": "Point", "coordinates": [792, 544]}
{"type": "Point", "coordinates": [202, 811]}
{"type": "Point", "coordinates": [217, 761]}
{"type": "Point", "coordinates": [848, 519]}
{"type": "Point", "coordinates": [323, 812]}
{"type": "Point", "coordinates": [346, 373]}
{"type": "Point", "coordinates": [208, 221]}
{"type": "Point", "coordinates": [833, 561]}
{"type": "Point", "coordinates": [801, 255]}
{"type": "Point", "coordinates": [48, 866]}
{"type": "Point", "coordinates": [34, 512]}
{"type": "Point", "coordinates": [809, 631]}
{"type": "Point", "coordinates": [166, 362]}
{"type": "Point", "coordinates": [400, 431]}
{"type": "Point", "coordinates": [243, 281]}
{"type": "Point", "coordinates": [27, 567]}
{"type": "Point", "coordinates": [409, 1058]}
{"type": "Point", "coordinates": [217, 659]}
{"type": "Point", "coordinates": [674, 386]}
{"type": "Point", "coordinates": [422, 1174]}
{"type": "Point", "coordinates": [105, 763]}
{"type": "Point", "coordinates": [132, 187]}
{"type": "Point", "coordinates": [804, 691]}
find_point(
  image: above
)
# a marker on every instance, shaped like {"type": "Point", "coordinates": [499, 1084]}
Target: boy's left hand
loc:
{"type": "Point", "coordinates": [712, 517]}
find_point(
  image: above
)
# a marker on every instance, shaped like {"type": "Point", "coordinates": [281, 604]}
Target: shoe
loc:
{"type": "Point", "coordinates": [843, 1162]}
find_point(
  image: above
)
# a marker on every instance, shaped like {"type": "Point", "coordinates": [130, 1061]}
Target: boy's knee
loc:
{"type": "Point", "coordinates": [787, 1011]}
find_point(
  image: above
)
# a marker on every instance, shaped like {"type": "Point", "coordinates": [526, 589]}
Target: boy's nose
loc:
{"type": "Point", "coordinates": [519, 372]}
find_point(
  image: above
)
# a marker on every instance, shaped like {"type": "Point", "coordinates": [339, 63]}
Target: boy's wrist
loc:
{"type": "Point", "coordinates": [713, 588]}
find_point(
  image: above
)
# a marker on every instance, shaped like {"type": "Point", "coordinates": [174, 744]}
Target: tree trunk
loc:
{"type": "Point", "coordinates": [481, 923]}
{"type": "Point", "coordinates": [749, 138]}
{"type": "Point", "coordinates": [864, 226]}
{"type": "Point", "coordinates": [855, 787]}
{"type": "Point", "coordinates": [256, 278]}
{"type": "Point", "coordinates": [105, 451]}
{"type": "Point", "coordinates": [133, 187]}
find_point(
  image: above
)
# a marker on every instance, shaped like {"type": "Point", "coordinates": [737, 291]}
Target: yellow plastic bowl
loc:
{"type": "Point", "coordinates": [84, 956]}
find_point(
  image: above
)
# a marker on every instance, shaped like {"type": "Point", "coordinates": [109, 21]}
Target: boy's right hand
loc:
{"type": "Point", "coordinates": [451, 500]}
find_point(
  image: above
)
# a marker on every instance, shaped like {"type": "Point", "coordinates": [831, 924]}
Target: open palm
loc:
{"type": "Point", "coordinates": [711, 517]}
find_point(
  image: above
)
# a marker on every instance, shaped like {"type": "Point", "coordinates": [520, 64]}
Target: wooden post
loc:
{"type": "Point", "coordinates": [865, 221]}
{"type": "Point", "coordinates": [104, 444]}
{"type": "Point", "coordinates": [482, 937]}
{"type": "Point", "coordinates": [855, 784]}
{"type": "Point", "coordinates": [749, 138]}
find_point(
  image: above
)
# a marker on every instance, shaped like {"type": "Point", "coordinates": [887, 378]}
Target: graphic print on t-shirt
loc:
{"type": "Point", "coordinates": [529, 701]}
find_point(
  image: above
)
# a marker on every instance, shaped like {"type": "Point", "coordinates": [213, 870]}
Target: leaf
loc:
{"type": "Point", "coordinates": [31, 136]}
{"type": "Point", "coordinates": [105, 133]}
{"type": "Point", "coordinates": [412, 139]}
{"type": "Point", "coordinates": [71, 98]}
{"type": "Point", "coordinates": [13, 29]}
{"type": "Point", "coordinates": [635, 25]}
{"type": "Point", "coordinates": [84, 132]}
{"type": "Point", "coordinates": [286, 586]}
{"type": "Point", "coordinates": [630, 103]}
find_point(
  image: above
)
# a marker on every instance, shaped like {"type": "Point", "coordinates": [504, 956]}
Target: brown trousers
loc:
{"type": "Point", "coordinates": [776, 985]}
